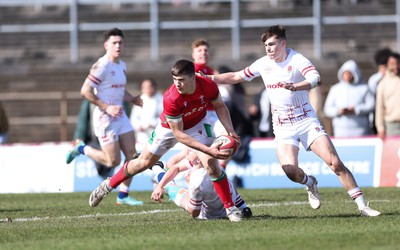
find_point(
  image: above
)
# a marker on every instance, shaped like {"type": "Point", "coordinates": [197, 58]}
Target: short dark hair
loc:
{"type": "Point", "coordinates": [381, 56]}
{"type": "Point", "coordinates": [113, 32]}
{"type": "Point", "coordinates": [277, 30]}
{"type": "Point", "coordinates": [183, 67]}
{"type": "Point", "coordinates": [395, 55]}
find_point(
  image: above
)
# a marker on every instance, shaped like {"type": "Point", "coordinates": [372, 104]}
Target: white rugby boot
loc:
{"type": "Point", "coordinates": [313, 194]}
{"type": "Point", "coordinates": [234, 214]}
{"type": "Point", "coordinates": [99, 193]}
{"type": "Point", "coordinates": [369, 212]}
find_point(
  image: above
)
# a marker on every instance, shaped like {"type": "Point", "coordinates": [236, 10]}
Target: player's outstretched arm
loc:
{"type": "Point", "coordinates": [228, 78]}
{"type": "Point", "coordinates": [169, 176]}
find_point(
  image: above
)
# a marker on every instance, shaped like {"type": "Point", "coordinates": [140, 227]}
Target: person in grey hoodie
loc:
{"type": "Point", "coordinates": [349, 103]}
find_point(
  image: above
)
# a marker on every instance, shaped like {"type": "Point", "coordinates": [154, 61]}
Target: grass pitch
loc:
{"type": "Point", "coordinates": [282, 219]}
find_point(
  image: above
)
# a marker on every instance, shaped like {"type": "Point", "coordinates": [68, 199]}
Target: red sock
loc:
{"type": "Point", "coordinates": [119, 177]}
{"type": "Point", "coordinates": [221, 186]}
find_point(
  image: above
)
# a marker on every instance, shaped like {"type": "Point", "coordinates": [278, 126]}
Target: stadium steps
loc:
{"type": "Point", "coordinates": [39, 62]}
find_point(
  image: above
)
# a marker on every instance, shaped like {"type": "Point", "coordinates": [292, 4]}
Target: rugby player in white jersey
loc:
{"type": "Point", "coordinates": [288, 76]}
{"type": "Point", "coordinates": [105, 88]}
{"type": "Point", "coordinates": [183, 120]}
{"type": "Point", "coordinates": [200, 199]}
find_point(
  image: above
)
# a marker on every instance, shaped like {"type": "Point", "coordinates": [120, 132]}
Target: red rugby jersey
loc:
{"type": "Point", "coordinates": [191, 108]}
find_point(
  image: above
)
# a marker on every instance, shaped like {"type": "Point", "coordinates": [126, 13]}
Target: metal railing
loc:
{"type": "Point", "coordinates": [61, 118]}
{"type": "Point", "coordinates": [154, 25]}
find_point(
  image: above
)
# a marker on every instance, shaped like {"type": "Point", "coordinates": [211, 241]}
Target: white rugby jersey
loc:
{"type": "Point", "coordinates": [287, 107]}
{"type": "Point", "coordinates": [109, 80]}
{"type": "Point", "coordinates": [202, 195]}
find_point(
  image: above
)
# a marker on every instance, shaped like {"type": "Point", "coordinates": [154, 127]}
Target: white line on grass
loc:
{"type": "Point", "coordinates": [268, 204]}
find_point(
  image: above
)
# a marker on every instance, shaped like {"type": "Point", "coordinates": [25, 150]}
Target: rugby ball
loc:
{"type": "Point", "coordinates": [228, 143]}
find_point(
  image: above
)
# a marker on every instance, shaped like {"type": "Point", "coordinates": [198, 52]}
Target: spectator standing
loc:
{"type": "Point", "coordinates": [387, 111]}
{"type": "Point", "coordinates": [381, 59]}
{"type": "Point", "coordinates": [144, 119]}
{"type": "Point", "coordinates": [105, 87]}
{"type": "Point", "coordinates": [349, 103]}
{"type": "Point", "coordinates": [4, 125]}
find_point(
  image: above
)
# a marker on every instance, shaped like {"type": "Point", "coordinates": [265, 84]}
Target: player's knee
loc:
{"type": "Point", "coordinates": [114, 162]}
{"type": "Point", "coordinates": [337, 166]}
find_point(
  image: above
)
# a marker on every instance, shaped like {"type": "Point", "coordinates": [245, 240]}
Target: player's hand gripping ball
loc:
{"type": "Point", "coordinates": [228, 143]}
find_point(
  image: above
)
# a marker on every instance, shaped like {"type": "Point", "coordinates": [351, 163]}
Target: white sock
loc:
{"type": "Point", "coordinates": [157, 170]}
{"type": "Point", "coordinates": [357, 195]}
{"type": "Point", "coordinates": [123, 188]}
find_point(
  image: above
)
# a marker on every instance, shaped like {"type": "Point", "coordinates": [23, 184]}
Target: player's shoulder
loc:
{"type": "Point", "coordinates": [202, 80]}
{"type": "Point", "coordinates": [261, 62]}
{"type": "Point", "coordinates": [170, 94]}
{"type": "Point", "coordinates": [101, 63]}
{"type": "Point", "coordinates": [103, 60]}
{"type": "Point", "coordinates": [295, 55]}
{"type": "Point", "coordinates": [206, 86]}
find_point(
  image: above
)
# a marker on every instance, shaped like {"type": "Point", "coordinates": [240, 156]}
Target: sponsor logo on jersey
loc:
{"type": "Point", "coordinates": [194, 110]}
{"type": "Point", "coordinates": [275, 85]}
{"type": "Point", "coordinates": [116, 86]}
{"type": "Point", "coordinates": [202, 99]}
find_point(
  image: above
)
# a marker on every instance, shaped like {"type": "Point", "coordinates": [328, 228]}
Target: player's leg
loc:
{"type": "Point", "coordinates": [147, 158]}
{"type": "Point", "coordinates": [288, 158]}
{"type": "Point", "coordinates": [288, 152]}
{"type": "Point", "coordinates": [219, 178]}
{"type": "Point", "coordinates": [221, 185]}
{"type": "Point", "coordinates": [239, 202]}
{"type": "Point", "coordinates": [324, 148]}
{"type": "Point", "coordinates": [128, 170]}
{"type": "Point", "coordinates": [108, 155]}
{"type": "Point", "coordinates": [127, 144]}
{"type": "Point", "coordinates": [107, 132]}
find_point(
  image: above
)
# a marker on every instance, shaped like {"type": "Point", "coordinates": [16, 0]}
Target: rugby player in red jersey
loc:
{"type": "Point", "coordinates": [183, 120]}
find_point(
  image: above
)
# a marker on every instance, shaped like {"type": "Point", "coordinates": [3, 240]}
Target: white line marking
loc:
{"type": "Point", "coordinates": [269, 204]}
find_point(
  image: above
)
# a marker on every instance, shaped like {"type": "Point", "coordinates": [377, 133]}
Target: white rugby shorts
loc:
{"type": "Point", "coordinates": [305, 132]}
{"type": "Point", "coordinates": [107, 128]}
{"type": "Point", "coordinates": [163, 139]}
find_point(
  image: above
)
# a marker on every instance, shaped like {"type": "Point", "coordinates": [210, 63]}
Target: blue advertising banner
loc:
{"type": "Point", "coordinates": [361, 156]}
{"type": "Point", "coordinates": [264, 170]}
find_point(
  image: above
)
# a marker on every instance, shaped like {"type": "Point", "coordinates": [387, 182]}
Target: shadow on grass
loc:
{"type": "Point", "coordinates": [354, 215]}
{"type": "Point", "coordinates": [11, 210]}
